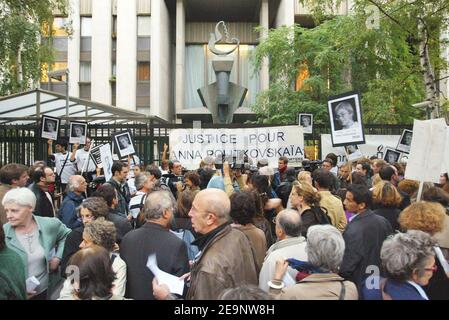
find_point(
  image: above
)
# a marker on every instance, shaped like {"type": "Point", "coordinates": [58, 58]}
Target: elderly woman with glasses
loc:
{"type": "Point", "coordinates": [319, 279]}
{"type": "Point", "coordinates": [408, 260]}
{"type": "Point", "coordinates": [39, 241]}
{"type": "Point", "coordinates": [430, 217]}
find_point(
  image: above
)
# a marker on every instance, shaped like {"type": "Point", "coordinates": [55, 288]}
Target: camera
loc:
{"type": "Point", "coordinates": [311, 165]}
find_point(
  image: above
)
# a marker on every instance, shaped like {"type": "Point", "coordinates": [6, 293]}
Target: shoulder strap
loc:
{"type": "Point", "coordinates": [67, 158]}
{"type": "Point", "coordinates": [342, 291]}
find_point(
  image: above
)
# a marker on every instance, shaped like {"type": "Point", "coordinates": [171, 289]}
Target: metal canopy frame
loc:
{"type": "Point", "coordinates": [29, 106]}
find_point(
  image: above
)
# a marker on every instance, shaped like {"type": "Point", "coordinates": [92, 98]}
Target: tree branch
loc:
{"type": "Point", "coordinates": [389, 16]}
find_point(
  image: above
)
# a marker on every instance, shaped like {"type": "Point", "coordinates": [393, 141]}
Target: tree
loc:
{"type": "Point", "coordinates": [25, 42]}
{"type": "Point", "coordinates": [393, 62]}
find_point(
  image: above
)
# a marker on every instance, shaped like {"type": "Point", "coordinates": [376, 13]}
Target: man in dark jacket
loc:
{"type": "Point", "coordinates": [153, 237]}
{"type": "Point", "coordinates": [226, 258]}
{"type": "Point", "coordinates": [363, 236]}
{"type": "Point", "coordinates": [173, 177]}
{"type": "Point", "coordinates": [120, 172]}
{"type": "Point", "coordinates": [75, 189]}
{"type": "Point", "coordinates": [42, 178]}
{"type": "Point", "coordinates": [122, 225]}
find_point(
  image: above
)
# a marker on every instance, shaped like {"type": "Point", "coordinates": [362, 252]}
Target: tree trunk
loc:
{"type": "Point", "coordinates": [427, 70]}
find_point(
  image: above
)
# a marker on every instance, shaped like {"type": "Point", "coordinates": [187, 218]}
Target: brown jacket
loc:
{"type": "Point", "coordinates": [258, 242]}
{"type": "Point", "coordinates": [3, 189]}
{"type": "Point", "coordinates": [225, 262]}
{"type": "Point", "coordinates": [334, 208]}
{"type": "Point", "coordinates": [318, 286]}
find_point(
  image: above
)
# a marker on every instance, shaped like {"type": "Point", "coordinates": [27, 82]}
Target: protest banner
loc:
{"type": "Point", "coordinates": [189, 146]}
{"type": "Point", "coordinates": [375, 145]}
{"type": "Point", "coordinates": [427, 151]}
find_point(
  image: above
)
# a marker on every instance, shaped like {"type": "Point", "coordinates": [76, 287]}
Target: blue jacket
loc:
{"type": "Point", "coordinates": [397, 290]}
{"type": "Point", "coordinates": [67, 212]}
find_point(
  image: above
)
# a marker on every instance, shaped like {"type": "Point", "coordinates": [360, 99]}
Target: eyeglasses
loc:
{"type": "Point", "coordinates": [433, 269]}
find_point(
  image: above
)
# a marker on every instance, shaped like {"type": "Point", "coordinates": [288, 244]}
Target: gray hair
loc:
{"type": "Point", "coordinates": [140, 179]}
{"type": "Point", "coordinates": [156, 203]}
{"type": "Point", "coordinates": [405, 252]}
{"type": "Point", "coordinates": [74, 183]}
{"type": "Point", "coordinates": [289, 221]}
{"type": "Point", "coordinates": [102, 233]}
{"type": "Point", "coordinates": [325, 247]}
{"type": "Point", "coordinates": [21, 197]}
{"type": "Point", "coordinates": [244, 292]}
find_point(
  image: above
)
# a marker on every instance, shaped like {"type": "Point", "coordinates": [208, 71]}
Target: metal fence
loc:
{"type": "Point", "coordinates": [22, 143]}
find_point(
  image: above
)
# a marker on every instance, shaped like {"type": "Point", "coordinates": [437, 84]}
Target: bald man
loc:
{"type": "Point", "coordinates": [290, 245]}
{"type": "Point", "coordinates": [226, 259]}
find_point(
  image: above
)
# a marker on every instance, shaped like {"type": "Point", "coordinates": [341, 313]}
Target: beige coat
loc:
{"type": "Point", "coordinates": [318, 286]}
{"type": "Point", "coordinates": [335, 209]}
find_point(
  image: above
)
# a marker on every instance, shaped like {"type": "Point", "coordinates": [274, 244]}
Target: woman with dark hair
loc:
{"type": "Point", "coordinates": [192, 182]}
{"type": "Point", "coordinates": [259, 219]}
{"type": "Point", "coordinates": [96, 276]}
{"type": "Point", "coordinates": [242, 213]}
{"type": "Point", "coordinates": [12, 275]}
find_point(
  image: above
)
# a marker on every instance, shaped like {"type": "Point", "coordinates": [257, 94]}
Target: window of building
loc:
{"type": "Point", "coordinates": [143, 71]}
{"type": "Point", "coordinates": [86, 26]}
{"type": "Point", "coordinates": [143, 26]}
{"type": "Point", "coordinates": [85, 71]}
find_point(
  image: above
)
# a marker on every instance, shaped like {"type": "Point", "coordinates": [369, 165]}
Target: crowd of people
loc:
{"type": "Point", "coordinates": [230, 231]}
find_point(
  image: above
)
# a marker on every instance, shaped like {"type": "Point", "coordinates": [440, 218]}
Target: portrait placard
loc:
{"type": "Point", "coordinates": [405, 141]}
{"type": "Point", "coordinates": [391, 155]}
{"type": "Point", "coordinates": [345, 117]}
{"type": "Point", "coordinates": [49, 128]}
{"type": "Point", "coordinates": [353, 152]}
{"type": "Point", "coordinates": [305, 120]}
{"type": "Point", "coordinates": [78, 132]}
{"type": "Point", "coordinates": [123, 143]}
{"type": "Point", "coordinates": [96, 154]}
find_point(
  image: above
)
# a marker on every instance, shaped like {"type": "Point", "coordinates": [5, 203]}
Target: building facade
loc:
{"type": "Point", "coordinates": [151, 56]}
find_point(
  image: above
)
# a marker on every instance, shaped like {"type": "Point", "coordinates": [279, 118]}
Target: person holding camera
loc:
{"type": "Point", "coordinates": [173, 177]}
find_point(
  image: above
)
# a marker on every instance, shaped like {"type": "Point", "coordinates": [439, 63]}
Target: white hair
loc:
{"type": "Point", "coordinates": [325, 247]}
{"type": "Point", "coordinates": [266, 171]}
{"type": "Point", "coordinates": [21, 197]}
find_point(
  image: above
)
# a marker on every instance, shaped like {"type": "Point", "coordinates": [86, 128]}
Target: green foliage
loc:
{"type": "Point", "coordinates": [22, 25]}
{"type": "Point", "coordinates": [342, 54]}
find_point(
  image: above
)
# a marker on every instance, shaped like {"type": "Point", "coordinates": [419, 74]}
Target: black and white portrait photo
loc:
{"type": "Point", "coordinates": [353, 152]}
{"type": "Point", "coordinates": [50, 128]}
{"type": "Point", "coordinates": [124, 144]}
{"type": "Point", "coordinates": [306, 122]}
{"type": "Point", "coordinates": [78, 132]}
{"type": "Point", "coordinates": [391, 156]}
{"type": "Point", "coordinates": [345, 118]}
{"type": "Point", "coordinates": [405, 141]}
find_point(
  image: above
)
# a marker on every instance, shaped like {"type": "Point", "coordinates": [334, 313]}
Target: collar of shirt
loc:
{"type": "Point", "coordinates": [420, 290]}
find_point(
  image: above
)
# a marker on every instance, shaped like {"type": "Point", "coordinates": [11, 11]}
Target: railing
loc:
{"type": "Point", "coordinates": [22, 143]}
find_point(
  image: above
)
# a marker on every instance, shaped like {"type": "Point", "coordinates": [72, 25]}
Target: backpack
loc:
{"type": "Point", "coordinates": [321, 215]}
{"type": "Point", "coordinates": [187, 236]}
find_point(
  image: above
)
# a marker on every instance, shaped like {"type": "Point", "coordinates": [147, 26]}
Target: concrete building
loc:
{"type": "Point", "coordinates": [151, 56]}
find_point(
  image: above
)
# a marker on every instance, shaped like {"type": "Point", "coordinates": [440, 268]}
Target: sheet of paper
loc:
{"type": "Point", "coordinates": [174, 283]}
{"type": "Point", "coordinates": [32, 283]}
